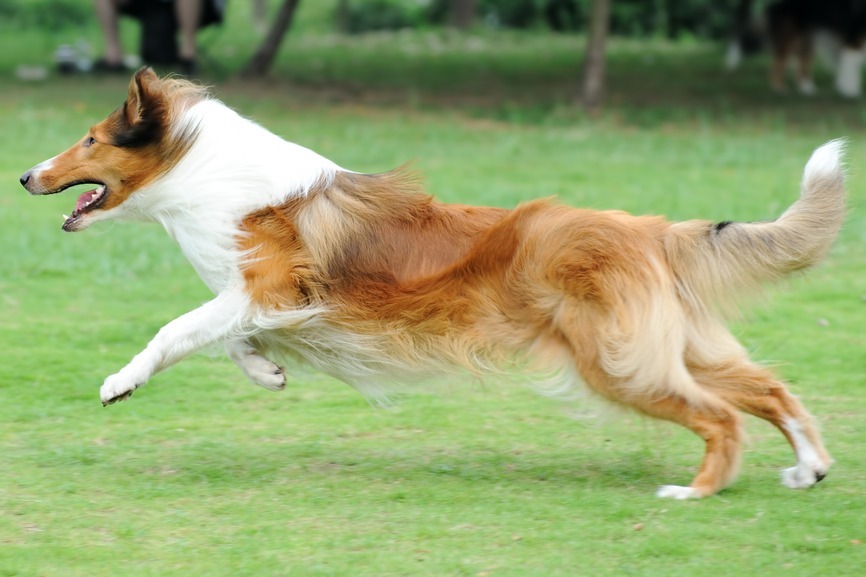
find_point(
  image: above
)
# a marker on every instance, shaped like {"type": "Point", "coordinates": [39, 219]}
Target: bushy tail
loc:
{"type": "Point", "coordinates": [714, 262]}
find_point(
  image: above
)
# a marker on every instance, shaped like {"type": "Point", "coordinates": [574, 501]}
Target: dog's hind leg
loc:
{"type": "Point", "coordinates": [714, 421]}
{"type": "Point", "coordinates": [709, 417]}
{"type": "Point", "coordinates": [671, 394]}
{"type": "Point", "coordinates": [257, 368]}
{"type": "Point", "coordinates": [757, 391]}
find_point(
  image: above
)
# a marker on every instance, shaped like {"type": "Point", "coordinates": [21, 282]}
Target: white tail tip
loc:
{"type": "Point", "coordinates": [826, 160]}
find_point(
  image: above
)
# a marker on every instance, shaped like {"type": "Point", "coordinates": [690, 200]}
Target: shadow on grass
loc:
{"type": "Point", "coordinates": [224, 464]}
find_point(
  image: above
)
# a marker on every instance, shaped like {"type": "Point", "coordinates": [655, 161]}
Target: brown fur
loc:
{"type": "Point", "coordinates": [127, 150]}
{"type": "Point", "coordinates": [388, 260]}
{"type": "Point", "coordinates": [369, 278]}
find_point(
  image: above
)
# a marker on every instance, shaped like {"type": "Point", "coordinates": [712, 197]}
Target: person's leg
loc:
{"type": "Point", "coordinates": [106, 12]}
{"type": "Point", "coordinates": [188, 20]}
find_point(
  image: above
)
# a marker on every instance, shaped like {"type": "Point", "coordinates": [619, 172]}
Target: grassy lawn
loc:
{"type": "Point", "coordinates": [202, 473]}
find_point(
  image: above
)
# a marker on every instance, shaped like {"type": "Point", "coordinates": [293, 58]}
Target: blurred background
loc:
{"type": "Point", "coordinates": [521, 60]}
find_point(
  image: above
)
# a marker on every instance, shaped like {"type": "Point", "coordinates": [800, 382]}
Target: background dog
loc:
{"type": "Point", "coordinates": [795, 30]}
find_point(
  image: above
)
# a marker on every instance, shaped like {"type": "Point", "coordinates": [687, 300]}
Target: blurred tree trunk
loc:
{"type": "Point", "coordinates": [594, 63]}
{"type": "Point", "coordinates": [263, 58]}
{"type": "Point", "coordinates": [462, 13]}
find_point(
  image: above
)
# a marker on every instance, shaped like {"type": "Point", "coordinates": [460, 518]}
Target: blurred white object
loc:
{"type": "Point", "coordinates": [849, 71]}
{"type": "Point", "coordinates": [83, 56]}
{"type": "Point", "coordinates": [31, 72]}
{"type": "Point", "coordinates": [132, 61]}
{"type": "Point", "coordinates": [64, 58]}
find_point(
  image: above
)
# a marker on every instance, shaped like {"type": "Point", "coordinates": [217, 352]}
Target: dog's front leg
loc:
{"type": "Point", "coordinates": [211, 323]}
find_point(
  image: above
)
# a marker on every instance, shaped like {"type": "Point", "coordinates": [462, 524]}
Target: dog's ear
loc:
{"type": "Point", "coordinates": [142, 93]}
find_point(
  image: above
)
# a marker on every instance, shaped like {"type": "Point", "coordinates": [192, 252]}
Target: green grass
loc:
{"type": "Point", "coordinates": [201, 473]}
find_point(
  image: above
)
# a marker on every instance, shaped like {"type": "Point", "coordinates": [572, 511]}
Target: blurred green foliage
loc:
{"type": "Point", "coordinates": [633, 18]}
{"type": "Point", "coordinates": [378, 15]}
{"type": "Point", "coordinates": [45, 14]}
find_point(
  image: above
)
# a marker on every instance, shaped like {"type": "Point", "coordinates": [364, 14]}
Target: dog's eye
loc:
{"type": "Point", "coordinates": [89, 141]}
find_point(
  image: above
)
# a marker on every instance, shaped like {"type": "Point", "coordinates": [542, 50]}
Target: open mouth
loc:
{"type": "Point", "coordinates": [88, 201]}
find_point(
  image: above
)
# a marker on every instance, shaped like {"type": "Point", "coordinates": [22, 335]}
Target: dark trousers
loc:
{"type": "Point", "coordinates": [159, 26]}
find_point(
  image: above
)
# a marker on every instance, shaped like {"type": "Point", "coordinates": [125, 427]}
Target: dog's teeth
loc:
{"type": "Point", "coordinates": [65, 218]}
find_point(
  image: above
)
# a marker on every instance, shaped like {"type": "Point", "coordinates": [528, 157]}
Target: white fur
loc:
{"type": "Point", "coordinates": [364, 361]}
{"type": "Point", "coordinates": [44, 165]}
{"type": "Point", "coordinates": [821, 178]}
{"type": "Point", "coordinates": [677, 492]}
{"type": "Point", "coordinates": [810, 467]}
{"type": "Point", "coordinates": [233, 168]}
{"type": "Point", "coordinates": [35, 173]}
{"type": "Point", "coordinates": [848, 72]}
{"type": "Point", "coordinates": [212, 322]}
{"type": "Point", "coordinates": [826, 161]}
{"type": "Point", "coordinates": [257, 368]}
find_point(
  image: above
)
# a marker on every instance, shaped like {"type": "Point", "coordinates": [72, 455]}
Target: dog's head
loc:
{"type": "Point", "coordinates": [122, 154]}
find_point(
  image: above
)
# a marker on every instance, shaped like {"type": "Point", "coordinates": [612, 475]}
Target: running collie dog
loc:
{"type": "Point", "coordinates": [367, 278]}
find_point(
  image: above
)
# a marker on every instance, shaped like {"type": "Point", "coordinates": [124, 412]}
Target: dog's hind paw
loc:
{"type": "Point", "coordinates": [263, 372]}
{"type": "Point", "coordinates": [677, 492]}
{"type": "Point", "coordinates": [271, 378]}
{"type": "Point", "coordinates": [257, 368]}
{"type": "Point", "coordinates": [803, 476]}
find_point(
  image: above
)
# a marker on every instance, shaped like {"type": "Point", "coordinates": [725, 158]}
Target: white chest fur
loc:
{"type": "Point", "coordinates": [233, 168]}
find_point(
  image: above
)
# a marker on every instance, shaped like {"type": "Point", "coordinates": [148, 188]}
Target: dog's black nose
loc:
{"type": "Point", "coordinates": [25, 178]}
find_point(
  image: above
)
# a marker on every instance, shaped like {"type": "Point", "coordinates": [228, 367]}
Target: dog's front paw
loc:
{"type": "Point", "coordinates": [117, 388]}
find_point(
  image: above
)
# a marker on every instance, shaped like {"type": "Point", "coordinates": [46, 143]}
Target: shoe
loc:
{"type": "Point", "coordinates": [188, 67]}
{"type": "Point", "coordinates": [103, 66]}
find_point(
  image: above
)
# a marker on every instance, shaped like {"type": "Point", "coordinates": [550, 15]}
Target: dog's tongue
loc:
{"type": "Point", "coordinates": [84, 199]}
